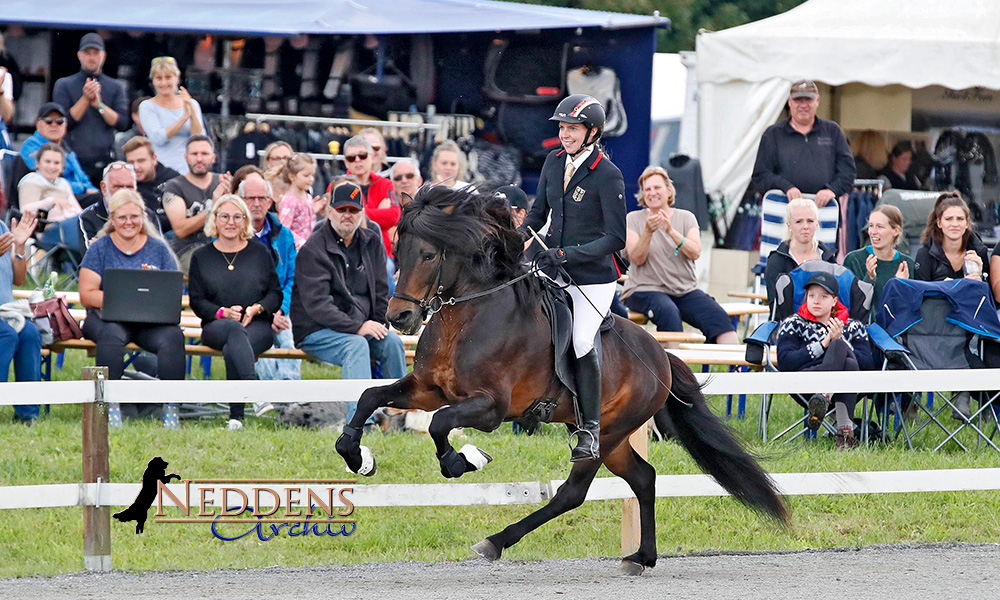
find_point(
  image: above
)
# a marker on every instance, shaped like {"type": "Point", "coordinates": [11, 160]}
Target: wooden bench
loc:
{"type": "Point", "coordinates": [749, 296]}
{"type": "Point", "coordinates": [735, 310]}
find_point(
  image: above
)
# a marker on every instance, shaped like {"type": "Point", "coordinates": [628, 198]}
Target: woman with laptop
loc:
{"type": "Point", "coordinates": [129, 241]}
{"type": "Point", "coordinates": [235, 290]}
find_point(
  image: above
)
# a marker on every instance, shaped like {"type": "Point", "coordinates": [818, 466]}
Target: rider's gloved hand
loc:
{"type": "Point", "coordinates": [553, 257]}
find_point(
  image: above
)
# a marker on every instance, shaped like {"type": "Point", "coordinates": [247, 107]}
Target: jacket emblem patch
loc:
{"type": "Point", "coordinates": [578, 193]}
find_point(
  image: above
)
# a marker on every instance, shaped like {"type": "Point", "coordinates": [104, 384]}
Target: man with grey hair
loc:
{"type": "Point", "coordinates": [117, 176]}
{"type": "Point", "coordinates": [268, 230]}
{"type": "Point", "coordinates": [379, 151]}
{"type": "Point", "coordinates": [341, 294]}
{"type": "Point", "coordinates": [407, 180]}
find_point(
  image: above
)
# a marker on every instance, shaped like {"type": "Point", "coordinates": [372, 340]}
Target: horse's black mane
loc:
{"type": "Point", "coordinates": [474, 228]}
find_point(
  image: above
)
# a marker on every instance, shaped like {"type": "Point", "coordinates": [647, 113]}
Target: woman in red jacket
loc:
{"type": "Point", "coordinates": [381, 204]}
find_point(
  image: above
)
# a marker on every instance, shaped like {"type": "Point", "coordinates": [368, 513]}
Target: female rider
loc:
{"type": "Point", "coordinates": [584, 193]}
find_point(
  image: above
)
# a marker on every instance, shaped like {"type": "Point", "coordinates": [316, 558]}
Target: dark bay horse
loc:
{"type": "Point", "coordinates": [484, 358]}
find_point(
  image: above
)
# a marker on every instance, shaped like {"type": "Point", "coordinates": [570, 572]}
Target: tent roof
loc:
{"type": "Point", "coordinates": [915, 43]}
{"type": "Point", "coordinates": [293, 17]}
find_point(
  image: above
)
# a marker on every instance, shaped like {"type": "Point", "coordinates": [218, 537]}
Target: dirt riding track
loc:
{"type": "Point", "coordinates": [939, 571]}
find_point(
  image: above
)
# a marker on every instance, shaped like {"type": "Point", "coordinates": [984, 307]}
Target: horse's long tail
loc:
{"type": "Point", "coordinates": [715, 449]}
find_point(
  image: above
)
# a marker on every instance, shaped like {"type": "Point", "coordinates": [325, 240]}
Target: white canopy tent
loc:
{"type": "Point", "coordinates": [744, 73]}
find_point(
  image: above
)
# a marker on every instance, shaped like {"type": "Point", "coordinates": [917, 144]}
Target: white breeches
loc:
{"type": "Point", "coordinates": [587, 320]}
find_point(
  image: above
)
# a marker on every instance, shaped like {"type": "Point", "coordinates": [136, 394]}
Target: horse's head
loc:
{"type": "Point", "coordinates": [450, 242]}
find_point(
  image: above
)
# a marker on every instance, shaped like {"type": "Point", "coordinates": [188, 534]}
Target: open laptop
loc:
{"type": "Point", "coordinates": [142, 296]}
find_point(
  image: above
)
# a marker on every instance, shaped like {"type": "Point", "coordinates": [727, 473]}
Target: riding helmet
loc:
{"type": "Point", "coordinates": [581, 108]}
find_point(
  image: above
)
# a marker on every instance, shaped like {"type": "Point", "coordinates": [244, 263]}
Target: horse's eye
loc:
{"type": "Point", "coordinates": [426, 256]}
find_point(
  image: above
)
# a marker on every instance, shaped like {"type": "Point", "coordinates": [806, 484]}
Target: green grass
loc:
{"type": "Point", "coordinates": [49, 541]}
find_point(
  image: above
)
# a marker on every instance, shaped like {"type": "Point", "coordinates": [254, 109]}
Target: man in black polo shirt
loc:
{"type": "Point", "coordinates": [98, 105]}
{"type": "Point", "coordinates": [806, 154]}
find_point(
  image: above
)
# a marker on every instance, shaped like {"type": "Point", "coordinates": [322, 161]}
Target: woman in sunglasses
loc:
{"type": "Point", "coordinates": [381, 204]}
{"type": "Point", "coordinates": [171, 116]}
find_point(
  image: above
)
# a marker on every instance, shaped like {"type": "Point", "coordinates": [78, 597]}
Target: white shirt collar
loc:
{"type": "Point", "coordinates": [581, 158]}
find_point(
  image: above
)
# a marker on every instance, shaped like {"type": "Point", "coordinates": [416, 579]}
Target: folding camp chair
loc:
{"type": "Point", "coordinates": [855, 294]}
{"type": "Point", "coordinates": [939, 322]}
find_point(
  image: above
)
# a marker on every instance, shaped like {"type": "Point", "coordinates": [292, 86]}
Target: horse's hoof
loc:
{"type": "Point", "coordinates": [476, 457]}
{"type": "Point", "coordinates": [487, 550]}
{"type": "Point", "coordinates": [632, 569]}
{"type": "Point", "coordinates": [368, 466]}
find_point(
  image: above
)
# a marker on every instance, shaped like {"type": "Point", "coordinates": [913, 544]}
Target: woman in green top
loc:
{"type": "Point", "coordinates": [880, 261]}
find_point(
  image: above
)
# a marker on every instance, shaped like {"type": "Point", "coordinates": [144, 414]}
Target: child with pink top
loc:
{"type": "Point", "coordinates": [295, 210]}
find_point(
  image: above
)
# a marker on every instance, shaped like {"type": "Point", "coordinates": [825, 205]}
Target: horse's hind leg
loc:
{"type": "Point", "coordinates": [641, 477]}
{"type": "Point", "coordinates": [570, 495]}
{"type": "Point", "coordinates": [480, 412]}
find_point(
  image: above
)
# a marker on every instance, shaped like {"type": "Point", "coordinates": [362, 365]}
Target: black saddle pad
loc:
{"type": "Point", "coordinates": [557, 305]}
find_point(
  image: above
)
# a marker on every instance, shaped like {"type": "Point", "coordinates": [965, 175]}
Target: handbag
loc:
{"type": "Point", "coordinates": [62, 323]}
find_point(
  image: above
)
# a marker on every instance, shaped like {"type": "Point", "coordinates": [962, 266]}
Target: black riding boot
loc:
{"type": "Point", "coordinates": [588, 399]}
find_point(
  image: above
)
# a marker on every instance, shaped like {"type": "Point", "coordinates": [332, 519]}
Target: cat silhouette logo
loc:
{"type": "Point", "coordinates": [156, 471]}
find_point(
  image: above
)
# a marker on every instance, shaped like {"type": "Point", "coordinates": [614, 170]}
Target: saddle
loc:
{"type": "Point", "coordinates": [557, 306]}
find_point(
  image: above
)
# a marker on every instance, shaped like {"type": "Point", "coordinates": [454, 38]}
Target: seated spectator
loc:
{"type": "Point", "coordinates": [870, 154]}
{"type": "Point", "coordinates": [406, 179]}
{"type": "Point", "coordinates": [275, 155]}
{"type": "Point", "coordinates": [378, 192]}
{"type": "Point", "coordinates": [150, 176]}
{"type": "Point", "coordinates": [187, 198]}
{"type": "Point", "coordinates": [897, 173]}
{"type": "Point", "coordinates": [170, 117]}
{"type": "Point", "coordinates": [123, 137]}
{"type": "Point", "coordinates": [234, 290]}
{"type": "Point", "coordinates": [50, 126]}
{"type": "Point", "coordinates": [800, 245]}
{"type": "Point", "coordinates": [295, 210]}
{"type": "Point", "coordinates": [879, 262]}
{"type": "Point", "coordinates": [341, 294]}
{"type": "Point", "coordinates": [256, 193]}
{"type": "Point", "coordinates": [951, 249]}
{"type": "Point", "coordinates": [129, 240]}
{"type": "Point", "coordinates": [518, 200]}
{"type": "Point", "coordinates": [20, 341]}
{"type": "Point", "coordinates": [663, 242]}
{"type": "Point", "coordinates": [117, 176]}
{"type": "Point", "coordinates": [375, 139]}
{"type": "Point", "coordinates": [821, 337]}
{"type": "Point", "coordinates": [44, 189]}
{"type": "Point", "coordinates": [242, 174]}
{"type": "Point", "coordinates": [447, 165]}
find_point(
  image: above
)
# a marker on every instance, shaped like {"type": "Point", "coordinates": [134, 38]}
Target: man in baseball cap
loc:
{"type": "Point", "coordinates": [50, 126]}
{"type": "Point", "coordinates": [518, 201]}
{"type": "Point", "coordinates": [341, 293]}
{"type": "Point", "coordinates": [805, 154]}
{"type": "Point", "coordinates": [97, 105]}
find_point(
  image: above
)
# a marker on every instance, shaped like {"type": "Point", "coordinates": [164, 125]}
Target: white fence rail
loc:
{"type": "Point", "coordinates": [96, 494]}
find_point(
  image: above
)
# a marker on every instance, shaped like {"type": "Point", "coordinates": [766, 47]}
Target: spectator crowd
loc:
{"type": "Point", "coordinates": [271, 261]}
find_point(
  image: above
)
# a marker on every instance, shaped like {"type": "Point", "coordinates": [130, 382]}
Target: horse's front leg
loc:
{"type": "Point", "coordinates": [359, 458]}
{"type": "Point", "coordinates": [480, 412]}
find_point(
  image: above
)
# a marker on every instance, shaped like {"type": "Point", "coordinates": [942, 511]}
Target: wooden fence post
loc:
{"type": "Point", "coordinates": [630, 506]}
{"type": "Point", "coordinates": [96, 519]}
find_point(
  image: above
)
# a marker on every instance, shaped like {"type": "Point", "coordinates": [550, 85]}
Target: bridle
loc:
{"type": "Point", "coordinates": [433, 304]}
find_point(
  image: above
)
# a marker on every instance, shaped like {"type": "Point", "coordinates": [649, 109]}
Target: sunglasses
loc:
{"type": "Point", "coordinates": [118, 165]}
{"type": "Point", "coordinates": [56, 120]}
{"type": "Point", "coordinates": [166, 59]}
{"type": "Point", "coordinates": [376, 148]}
{"type": "Point", "coordinates": [402, 175]}
{"type": "Point", "coordinates": [355, 157]}
{"type": "Point", "coordinates": [347, 209]}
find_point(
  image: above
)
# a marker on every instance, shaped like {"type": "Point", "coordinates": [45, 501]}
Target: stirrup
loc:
{"type": "Point", "coordinates": [587, 445]}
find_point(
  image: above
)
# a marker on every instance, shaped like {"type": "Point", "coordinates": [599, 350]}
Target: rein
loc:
{"type": "Point", "coordinates": [434, 304]}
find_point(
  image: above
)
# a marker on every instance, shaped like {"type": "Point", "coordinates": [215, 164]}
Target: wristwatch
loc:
{"type": "Point", "coordinates": [100, 109]}
{"type": "Point", "coordinates": [18, 256]}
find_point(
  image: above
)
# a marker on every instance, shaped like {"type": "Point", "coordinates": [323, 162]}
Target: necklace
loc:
{"type": "Point", "coordinates": [229, 262]}
{"type": "Point", "coordinates": [120, 243]}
